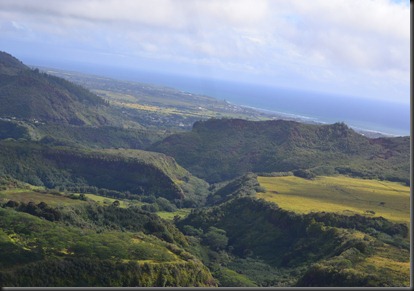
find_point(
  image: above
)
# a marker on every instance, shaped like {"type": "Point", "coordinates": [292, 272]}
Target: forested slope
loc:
{"type": "Point", "coordinates": [222, 149]}
{"type": "Point", "coordinates": [127, 172]}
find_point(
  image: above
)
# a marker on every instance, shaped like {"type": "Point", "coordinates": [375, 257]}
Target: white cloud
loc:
{"type": "Point", "coordinates": [329, 40]}
{"type": "Point", "coordinates": [364, 34]}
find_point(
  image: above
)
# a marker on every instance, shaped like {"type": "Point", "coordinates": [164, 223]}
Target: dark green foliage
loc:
{"type": "Point", "coordinates": [339, 271]}
{"type": "Point", "coordinates": [40, 210]}
{"type": "Point", "coordinates": [325, 276]}
{"type": "Point", "coordinates": [263, 274]}
{"type": "Point", "coordinates": [153, 207]}
{"type": "Point", "coordinates": [100, 218]}
{"type": "Point", "coordinates": [306, 174]}
{"type": "Point", "coordinates": [97, 137]}
{"type": "Point", "coordinates": [230, 278]}
{"type": "Point", "coordinates": [165, 205]}
{"type": "Point", "coordinates": [259, 231]}
{"type": "Point", "coordinates": [93, 246]}
{"type": "Point", "coordinates": [246, 185]}
{"type": "Point", "coordinates": [215, 238]}
{"type": "Point", "coordinates": [222, 149]}
{"type": "Point", "coordinates": [262, 230]}
{"type": "Point", "coordinates": [28, 94]}
{"type": "Point", "coordinates": [362, 223]}
{"type": "Point", "coordinates": [86, 272]}
{"type": "Point", "coordinates": [10, 65]}
{"type": "Point", "coordinates": [9, 129]}
{"type": "Point", "coordinates": [189, 230]}
{"type": "Point", "coordinates": [136, 172]}
{"type": "Point", "coordinates": [245, 242]}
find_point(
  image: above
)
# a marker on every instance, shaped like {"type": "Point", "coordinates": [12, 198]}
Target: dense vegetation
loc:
{"type": "Point", "coordinates": [118, 173]}
{"type": "Point", "coordinates": [221, 149]}
{"type": "Point", "coordinates": [29, 94]}
{"type": "Point", "coordinates": [93, 246]}
{"type": "Point", "coordinates": [308, 250]}
{"type": "Point", "coordinates": [156, 106]}
{"type": "Point", "coordinates": [84, 203]}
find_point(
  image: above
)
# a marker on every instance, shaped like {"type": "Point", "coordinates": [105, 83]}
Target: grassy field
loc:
{"type": "Point", "coordinates": [106, 201]}
{"type": "Point", "coordinates": [59, 199]}
{"type": "Point", "coordinates": [165, 106]}
{"type": "Point", "coordinates": [27, 195]}
{"type": "Point", "coordinates": [170, 215]}
{"type": "Point", "coordinates": [339, 194]}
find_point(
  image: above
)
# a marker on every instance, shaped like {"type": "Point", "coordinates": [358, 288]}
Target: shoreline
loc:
{"type": "Point", "coordinates": [307, 119]}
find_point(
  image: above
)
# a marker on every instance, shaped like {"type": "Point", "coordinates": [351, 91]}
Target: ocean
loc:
{"type": "Point", "coordinates": [381, 116]}
{"type": "Point", "coordinates": [387, 117]}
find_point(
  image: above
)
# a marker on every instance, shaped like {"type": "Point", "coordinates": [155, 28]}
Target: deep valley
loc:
{"type": "Point", "coordinates": [109, 183]}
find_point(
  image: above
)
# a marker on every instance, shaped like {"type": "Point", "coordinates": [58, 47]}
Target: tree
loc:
{"type": "Point", "coordinates": [216, 238]}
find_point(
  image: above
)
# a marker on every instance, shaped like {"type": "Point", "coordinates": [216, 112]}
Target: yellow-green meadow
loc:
{"type": "Point", "coordinates": [341, 194]}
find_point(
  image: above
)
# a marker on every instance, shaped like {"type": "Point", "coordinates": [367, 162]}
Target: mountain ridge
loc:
{"type": "Point", "coordinates": [31, 95]}
{"type": "Point", "coordinates": [134, 171]}
{"type": "Point", "coordinates": [221, 149]}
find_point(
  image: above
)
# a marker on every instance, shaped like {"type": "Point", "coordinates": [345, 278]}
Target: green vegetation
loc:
{"type": "Point", "coordinates": [339, 194]}
{"type": "Point", "coordinates": [84, 203]}
{"type": "Point", "coordinates": [268, 237]}
{"type": "Point", "coordinates": [159, 107]}
{"type": "Point", "coordinates": [222, 149]}
{"type": "Point", "coordinates": [106, 256]}
{"type": "Point", "coordinates": [31, 95]}
{"type": "Point", "coordinates": [48, 244]}
{"type": "Point", "coordinates": [96, 137]}
{"type": "Point", "coordinates": [179, 214]}
{"type": "Point", "coordinates": [246, 185]}
{"type": "Point", "coordinates": [114, 173]}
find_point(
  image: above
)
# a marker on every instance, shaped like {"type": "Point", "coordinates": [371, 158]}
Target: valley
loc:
{"type": "Point", "coordinates": [110, 183]}
{"type": "Point", "coordinates": [158, 106]}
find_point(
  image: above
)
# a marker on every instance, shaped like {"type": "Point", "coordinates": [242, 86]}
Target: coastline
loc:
{"type": "Point", "coordinates": [313, 120]}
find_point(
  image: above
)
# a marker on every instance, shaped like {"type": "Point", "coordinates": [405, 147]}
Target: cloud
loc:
{"type": "Point", "coordinates": [322, 41]}
{"type": "Point", "coordinates": [371, 35]}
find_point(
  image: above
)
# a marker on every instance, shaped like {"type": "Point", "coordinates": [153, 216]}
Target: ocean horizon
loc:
{"type": "Point", "coordinates": [382, 116]}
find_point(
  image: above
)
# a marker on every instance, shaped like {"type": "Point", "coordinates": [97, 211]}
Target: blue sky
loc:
{"type": "Point", "coordinates": [349, 47]}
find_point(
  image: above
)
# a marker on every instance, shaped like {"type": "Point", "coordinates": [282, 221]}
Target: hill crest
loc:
{"type": "Point", "coordinates": [27, 94]}
{"type": "Point", "coordinates": [222, 149]}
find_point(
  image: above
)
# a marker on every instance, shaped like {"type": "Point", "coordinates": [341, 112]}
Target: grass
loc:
{"type": "Point", "coordinates": [26, 196]}
{"type": "Point", "coordinates": [58, 199]}
{"type": "Point", "coordinates": [168, 106]}
{"type": "Point", "coordinates": [340, 194]}
{"type": "Point", "coordinates": [390, 261]}
{"type": "Point", "coordinates": [170, 215]}
{"type": "Point", "coordinates": [105, 201]}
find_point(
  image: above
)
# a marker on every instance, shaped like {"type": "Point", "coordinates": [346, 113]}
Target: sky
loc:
{"type": "Point", "coordinates": [348, 47]}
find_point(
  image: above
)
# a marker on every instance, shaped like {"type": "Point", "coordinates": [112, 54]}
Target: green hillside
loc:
{"type": "Point", "coordinates": [269, 246]}
{"type": "Point", "coordinates": [131, 173]}
{"type": "Point", "coordinates": [89, 245]}
{"type": "Point", "coordinates": [221, 149]}
{"type": "Point", "coordinates": [39, 106]}
{"type": "Point", "coordinates": [9, 65]}
{"type": "Point", "coordinates": [28, 94]}
{"type": "Point", "coordinates": [116, 192]}
{"type": "Point", "coordinates": [339, 194]}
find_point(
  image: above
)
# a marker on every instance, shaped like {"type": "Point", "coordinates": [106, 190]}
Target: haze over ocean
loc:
{"type": "Point", "coordinates": [392, 118]}
{"type": "Point", "coordinates": [383, 116]}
